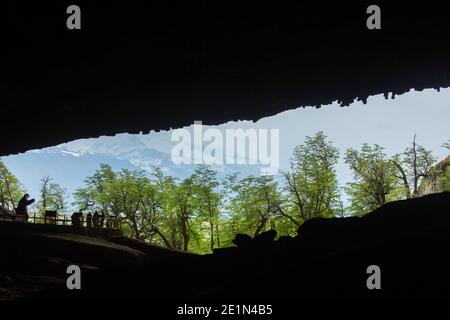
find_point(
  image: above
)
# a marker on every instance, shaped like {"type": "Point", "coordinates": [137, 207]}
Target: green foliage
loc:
{"type": "Point", "coordinates": [92, 197]}
{"type": "Point", "coordinates": [444, 180]}
{"type": "Point", "coordinates": [441, 172]}
{"type": "Point", "coordinates": [413, 165]}
{"type": "Point", "coordinates": [53, 196]}
{"type": "Point", "coordinates": [128, 194]}
{"type": "Point", "coordinates": [202, 212]}
{"type": "Point", "coordinates": [311, 184]}
{"type": "Point", "coordinates": [375, 179]}
{"type": "Point", "coordinates": [208, 201]}
{"type": "Point", "coordinates": [10, 188]}
{"type": "Point", "coordinates": [254, 204]}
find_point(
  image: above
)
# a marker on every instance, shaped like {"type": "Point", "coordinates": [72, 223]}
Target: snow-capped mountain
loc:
{"type": "Point", "coordinates": [70, 163]}
{"type": "Point", "coordinates": [138, 150]}
{"type": "Point", "coordinates": [125, 147]}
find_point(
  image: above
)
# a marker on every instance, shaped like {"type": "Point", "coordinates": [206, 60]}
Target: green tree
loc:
{"type": "Point", "coordinates": [208, 201]}
{"type": "Point", "coordinates": [183, 205]}
{"type": "Point", "coordinates": [134, 198]}
{"type": "Point", "coordinates": [341, 211]}
{"type": "Point", "coordinates": [445, 179]}
{"type": "Point", "coordinates": [93, 196]}
{"type": "Point", "coordinates": [53, 196]}
{"type": "Point", "coordinates": [254, 204]}
{"type": "Point", "coordinates": [311, 183]}
{"type": "Point", "coordinates": [154, 217]}
{"type": "Point", "coordinates": [157, 209]}
{"type": "Point", "coordinates": [140, 203]}
{"type": "Point", "coordinates": [413, 165]}
{"type": "Point", "coordinates": [375, 179]}
{"type": "Point", "coordinates": [127, 191]}
{"type": "Point", "coordinates": [10, 188]}
{"type": "Point", "coordinates": [170, 226]}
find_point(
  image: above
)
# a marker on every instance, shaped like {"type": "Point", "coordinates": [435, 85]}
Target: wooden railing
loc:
{"type": "Point", "coordinates": [66, 220]}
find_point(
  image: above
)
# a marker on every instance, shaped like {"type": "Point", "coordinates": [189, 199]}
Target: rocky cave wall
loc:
{"type": "Point", "coordinates": [133, 68]}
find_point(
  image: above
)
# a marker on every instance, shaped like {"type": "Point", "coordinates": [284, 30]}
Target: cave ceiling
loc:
{"type": "Point", "coordinates": [134, 69]}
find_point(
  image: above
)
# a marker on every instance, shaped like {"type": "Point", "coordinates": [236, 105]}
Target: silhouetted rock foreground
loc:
{"type": "Point", "coordinates": [409, 240]}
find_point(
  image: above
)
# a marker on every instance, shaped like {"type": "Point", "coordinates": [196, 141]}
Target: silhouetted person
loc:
{"type": "Point", "coordinates": [96, 220]}
{"type": "Point", "coordinates": [81, 218]}
{"type": "Point", "coordinates": [21, 210]}
{"type": "Point", "coordinates": [107, 221]}
{"type": "Point", "coordinates": [77, 219]}
{"type": "Point", "coordinates": [89, 220]}
{"type": "Point", "coordinates": [102, 219]}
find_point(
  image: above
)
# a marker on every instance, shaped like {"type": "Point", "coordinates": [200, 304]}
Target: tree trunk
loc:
{"type": "Point", "coordinates": [164, 239]}
{"type": "Point", "coordinates": [416, 176]}
{"type": "Point", "coordinates": [185, 234]}
{"type": "Point", "coordinates": [217, 235]}
{"type": "Point", "coordinates": [135, 229]}
{"type": "Point", "coordinates": [211, 229]}
{"type": "Point", "coordinates": [404, 178]}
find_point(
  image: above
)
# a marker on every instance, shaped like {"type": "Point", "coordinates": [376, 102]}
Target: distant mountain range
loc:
{"type": "Point", "coordinates": [70, 163]}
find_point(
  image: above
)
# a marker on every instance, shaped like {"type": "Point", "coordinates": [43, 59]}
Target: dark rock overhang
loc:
{"type": "Point", "coordinates": [133, 68]}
